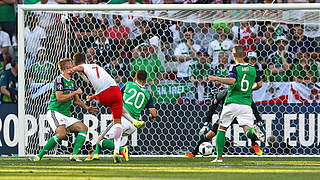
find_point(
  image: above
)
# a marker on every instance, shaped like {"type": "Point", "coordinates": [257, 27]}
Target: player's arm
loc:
{"type": "Point", "coordinates": [258, 82]}
{"type": "Point", "coordinates": [78, 101]}
{"type": "Point", "coordinates": [153, 112]}
{"type": "Point", "coordinates": [65, 97]}
{"type": "Point", "coordinates": [223, 80]}
{"type": "Point", "coordinates": [76, 69]}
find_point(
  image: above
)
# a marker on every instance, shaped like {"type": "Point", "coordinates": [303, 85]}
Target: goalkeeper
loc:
{"type": "Point", "coordinates": [208, 133]}
{"type": "Point", "coordinates": [135, 98]}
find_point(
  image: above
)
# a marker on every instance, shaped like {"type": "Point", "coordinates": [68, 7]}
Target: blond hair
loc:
{"type": "Point", "coordinates": [62, 63]}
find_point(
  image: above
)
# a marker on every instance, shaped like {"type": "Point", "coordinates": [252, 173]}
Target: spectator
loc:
{"type": "Point", "coordinates": [300, 42]}
{"type": "Point", "coordinates": [148, 62]}
{"type": "Point", "coordinates": [252, 60]}
{"type": "Point", "coordinates": [4, 46]}
{"type": "Point", "coordinates": [222, 68]}
{"type": "Point", "coordinates": [118, 31]}
{"type": "Point", "coordinates": [85, 29]}
{"type": "Point", "coordinates": [186, 53]}
{"type": "Point", "coordinates": [1, 67]}
{"type": "Point", "coordinates": [305, 70]}
{"type": "Point", "coordinates": [8, 16]}
{"type": "Point", "coordinates": [175, 28]}
{"type": "Point", "coordinates": [9, 83]}
{"type": "Point", "coordinates": [200, 72]}
{"type": "Point", "coordinates": [221, 44]}
{"type": "Point", "coordinates": [35, 37]}
{"type": "Point", "coordinates": [41, 74]}
{"type": "Point", "coordinates": [204, 35]}
{"type": "Point", "coordinates": [118, 68]}
{"type": "Point", "coordinates": [266, 46]}
{"type": "Point", "coordinates": [92, 56]}
{"type": "Point", "coordinates": [103, 46]}
{"type": "Point", "coordinates": [280, 61]}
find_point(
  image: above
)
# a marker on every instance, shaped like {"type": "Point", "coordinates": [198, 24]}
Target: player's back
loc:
{"type": "Point", "coordinates": [98, 77]}
{"type": "Point", "coordinates": [241, 91]}
{"type": "Point", "coordinates": [135, 98]}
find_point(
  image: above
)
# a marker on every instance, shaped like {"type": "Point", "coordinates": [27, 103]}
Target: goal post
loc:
{"type": "Point", "coordinates": [289, 108]}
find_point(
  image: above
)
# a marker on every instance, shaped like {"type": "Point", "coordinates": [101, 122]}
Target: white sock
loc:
{"type": "Point", "coordinates": [126, 114]}
{"type": "Point", "coordinates": [117, 134]}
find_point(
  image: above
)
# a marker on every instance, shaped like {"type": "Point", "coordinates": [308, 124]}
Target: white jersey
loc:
{"type": "Point", "coordinates": [98, 77]}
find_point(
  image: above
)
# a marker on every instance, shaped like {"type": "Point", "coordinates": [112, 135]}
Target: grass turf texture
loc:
{"type": "Point", "coordinates": [162, 168]}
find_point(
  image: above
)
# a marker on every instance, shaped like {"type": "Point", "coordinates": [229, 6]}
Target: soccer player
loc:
{"type": "Point", "coordinates": [242, 80]}
{"type": "Point", "coordinates": [207, 133]}
{"type": "Point", "coordinates": [136, 98]}
{"type": "Point", "coordinates": [63, 92]}
{"type": "Point", "coordinates": [107, 93]}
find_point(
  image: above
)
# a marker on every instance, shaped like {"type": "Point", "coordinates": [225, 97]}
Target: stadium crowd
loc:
{"type": "Point", "coordinates": [170, 51]}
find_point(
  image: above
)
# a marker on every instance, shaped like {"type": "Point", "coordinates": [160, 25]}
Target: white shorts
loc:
{"type": "Point", "coordinates": [243, 113]}
{"type": "Point", "coordinates": [56, 119]}
{"type": "Point", "coordinates": [127, 129]}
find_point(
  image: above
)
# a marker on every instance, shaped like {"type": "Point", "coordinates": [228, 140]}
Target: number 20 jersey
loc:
{"type": "Point", "coordinates": [98, 77]}
{"type": "Point", "coordinates": [241, 91]}
{"type": "Point", "coordinates": [136, 98]}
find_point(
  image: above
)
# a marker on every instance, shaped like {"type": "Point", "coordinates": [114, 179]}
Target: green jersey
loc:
{"type": "Point", "coordinates": [67, 87]}
{"type": "Point", "coordinates": [240, 91]}
{"type": "Point", "coordinates": [42, 72]}
{"type": "Point", "coordinates": [136, 98]}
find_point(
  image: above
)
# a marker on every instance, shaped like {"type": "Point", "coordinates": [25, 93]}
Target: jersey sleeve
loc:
{"type": "Point", "coordinates": [150, 102]}
{"type": "Point", "coordinates": [258, 77]}
{"type": "Point", "coordinates": [58, 84]}
{"type": "Point", "coordinates": [233, 72]}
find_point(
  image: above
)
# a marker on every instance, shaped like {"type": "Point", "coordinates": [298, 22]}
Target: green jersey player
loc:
{"type": "Point", "coordinates": [242, 80]}
{"type": "Point", "coordinates": [135, 98]}
{"type": "Point", "coordinates": [59, 117]}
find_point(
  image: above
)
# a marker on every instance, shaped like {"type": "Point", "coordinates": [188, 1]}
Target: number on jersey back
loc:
{"type": "Point", "coordinates": [136, 98]}
{"type": "Point", "coordinates": [240, 92]}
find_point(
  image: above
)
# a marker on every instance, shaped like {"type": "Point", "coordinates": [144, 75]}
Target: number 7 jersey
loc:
{"type": "Point", "coordinates": [136, 98]}
{"type": "Point", "coordinates": [98, 77]}
{"type": "Point", "coordinates": [241, 91]}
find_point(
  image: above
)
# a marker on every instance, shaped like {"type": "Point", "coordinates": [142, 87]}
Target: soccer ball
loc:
{"type": "Point", "coordinates": [206, 149]}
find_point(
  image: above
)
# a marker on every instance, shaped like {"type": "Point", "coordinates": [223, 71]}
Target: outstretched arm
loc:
{"type": "Point", "coordinates": [76, 69]}
{"type": "Point", "coordinates": [227, 80]}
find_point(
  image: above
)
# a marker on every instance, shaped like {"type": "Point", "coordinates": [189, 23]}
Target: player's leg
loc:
{"type": "Point", "coordinates": [57, 123]}
{"type": "Point", "coordinates": [218, 98]}
{"type": "Point", "coordinates": [204, 138]}
{"type": "Point", "coordinates": [75, 125]}
{"type": "Point", "coordinates": [226, 119]}
{"type": "Point", "coordinates": [245, 119]}
{"type": "Point", "coordinates": [136, 123]}
{"type": "Point", "coordinates": [117, 109]}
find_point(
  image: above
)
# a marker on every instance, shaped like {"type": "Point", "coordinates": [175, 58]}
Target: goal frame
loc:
{"type": "Point", "coordinates": [125, 7]}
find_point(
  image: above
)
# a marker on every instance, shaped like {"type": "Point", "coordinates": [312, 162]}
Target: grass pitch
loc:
{"type": "Point", "coordinates": [162, 168]}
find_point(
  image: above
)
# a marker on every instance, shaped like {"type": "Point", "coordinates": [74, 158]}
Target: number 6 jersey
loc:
{"type": "Point", "coordinates": [98, 77]}
{"type": "Point", "coordinates": [240, 92]}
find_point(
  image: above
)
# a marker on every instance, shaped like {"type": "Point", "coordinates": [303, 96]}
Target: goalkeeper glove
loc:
{"type": "Point", "coordinates": [204, 129]}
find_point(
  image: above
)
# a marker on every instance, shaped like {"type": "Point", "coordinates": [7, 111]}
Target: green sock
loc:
{"type": "Point", "coordinates": [50, 145]}
{"type": "Point", "coordinates": [108, 144]}
{"type": "Point", "coordinates": [98, 149]}
{"type": "Point", "coordinates": [250, 134]}
{"type": "Point", "coordinates": [81, 138]}
{"type": "Point", "coordinates": [220, 142]}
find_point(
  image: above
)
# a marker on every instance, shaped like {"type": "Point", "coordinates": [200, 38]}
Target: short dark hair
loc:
{"type": "Point", "coordinates": [189, 29]}
{"type": "Point", "coordinates": [141, 75]}
{"type": "Point", "coordinates": [62, 63]}
{"type": "Point", "coordinates": [239, 51]}
{"type": "Point", "coordinates": [79, 58]}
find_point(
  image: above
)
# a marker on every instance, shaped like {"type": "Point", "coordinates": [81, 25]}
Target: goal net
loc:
{"type": "Point", "coordinates": [178, 47]}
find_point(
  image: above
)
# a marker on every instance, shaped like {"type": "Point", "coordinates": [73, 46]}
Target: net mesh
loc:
{"type": "Point", "coordinates": [179, 49]}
